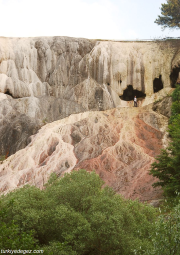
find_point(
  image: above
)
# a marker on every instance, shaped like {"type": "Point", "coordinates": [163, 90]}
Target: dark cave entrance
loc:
{"type": "Point", "coordinates": [7, 92]}
{"type": "Point", "coordinates": [174, 77]}
{"type": "Point", "coordinates": [130, 93]}
{"type": "Point", "coordinates": [157, 84]}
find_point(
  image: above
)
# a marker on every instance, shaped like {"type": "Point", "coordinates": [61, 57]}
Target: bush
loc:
{"type": "Point", "coordinates": [12, 236]}
{"type": "Point", "coordinates": [166, 238]}
{"type": "Point", "coordinates": [77, 215]}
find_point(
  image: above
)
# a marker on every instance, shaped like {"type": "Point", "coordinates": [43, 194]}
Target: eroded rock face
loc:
{"type": "Point", "coordinates": [23, 117]}
{"type": "Point", "coordinates": [49, 78]}
{"type": "Point", "coordinates": [56, 65]}
{"type": "Point", "coordinates": [163, 106]}
{"type": "Point", "coordinates": [119, 144]}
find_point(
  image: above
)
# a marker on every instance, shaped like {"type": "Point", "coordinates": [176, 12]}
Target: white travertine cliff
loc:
{"type": "Point", "coordinates": [49, 78]}
{"type": "Point", "coordinates": [56, 65]}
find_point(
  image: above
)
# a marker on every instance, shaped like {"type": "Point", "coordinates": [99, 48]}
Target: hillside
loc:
{"type": "Point", "coordinates": [119, 144]}
{"type": "Point", "coordinates": [84, 90]}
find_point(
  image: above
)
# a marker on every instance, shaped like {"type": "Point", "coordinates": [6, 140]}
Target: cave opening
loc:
{"type": "Point", "coordinates": [7, 92]}
{"type": "Point", "coordinates": [130, 93]}
{"type": "Point", "coordinates": [157, 84]}
{"type": "Point", "coordinates": [174, 77]}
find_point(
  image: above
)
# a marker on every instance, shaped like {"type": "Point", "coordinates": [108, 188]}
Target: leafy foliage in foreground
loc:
{"type": "Point", "coordinates": [75, 215]}
{"type": "Point", "coordinates": [167, 165]}
{"type": "Point", "coordinates": [166, 237]}
{"type": "Point", "coordinates": [170, 14]}
{"type": "Point", "coordinates": [12, 237]}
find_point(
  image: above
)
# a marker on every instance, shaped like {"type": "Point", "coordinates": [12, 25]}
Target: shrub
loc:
{"type": "Point", "coordinates": [76, 214]}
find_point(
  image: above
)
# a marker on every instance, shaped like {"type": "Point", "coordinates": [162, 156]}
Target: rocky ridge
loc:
{"type": "Point", "coordinates": [119, 144]}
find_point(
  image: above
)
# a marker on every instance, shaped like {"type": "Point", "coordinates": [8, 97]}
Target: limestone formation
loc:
{"type": "Point", "coordinates": [55, 65]}
{"type": "Point", "coordinates": [46, 79]}
{"type": "Point", "coordinates": [49, 78]}
{"type": "Point", "coordinates": [23, 117]}
{"type": "Point", "coordinates": [119, 144]}
{"type": "Point", "coordinates": [163, 106]}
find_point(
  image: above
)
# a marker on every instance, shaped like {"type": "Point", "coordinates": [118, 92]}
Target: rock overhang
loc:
{"type": "Point", "coordinates": [49, 78]}
{"type": "Point", "coordinates": [53, 65]}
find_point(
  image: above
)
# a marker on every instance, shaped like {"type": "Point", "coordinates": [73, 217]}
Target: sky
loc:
{"type": "Point", "coordinates": [93, 19]}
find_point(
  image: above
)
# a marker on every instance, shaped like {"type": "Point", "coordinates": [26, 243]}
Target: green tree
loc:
{"type": "Point", "coordinates": [57, 248]}
{"type": "Point", "coordinates": [167, 165]}
{"type": "Point", "coordinates": [170, 15]}
{"type": "Point", "coordinates": [76, 214]}
{"type": "Point", "coordinates": [166, 236]}
{"type": "Point", "coordinates": [12, 237]}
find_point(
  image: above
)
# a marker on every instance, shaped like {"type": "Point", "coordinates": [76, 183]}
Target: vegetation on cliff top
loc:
{"type": "Point", "coordinates": [170, 15]}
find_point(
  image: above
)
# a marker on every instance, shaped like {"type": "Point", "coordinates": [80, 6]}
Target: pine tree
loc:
{"type": "Point", "coordinates": [170, 15]}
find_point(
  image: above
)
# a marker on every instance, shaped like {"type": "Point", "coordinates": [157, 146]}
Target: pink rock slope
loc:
{"type": "Point", "coordinates": [119, 144]}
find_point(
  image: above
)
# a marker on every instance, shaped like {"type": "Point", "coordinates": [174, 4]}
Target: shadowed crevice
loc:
{"type": "Point", "coordinates": [7, 92]}
{"type": "Point", "coordinates": [157, 84]}
{"type": "Point", "coordinates": [174, 77]}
